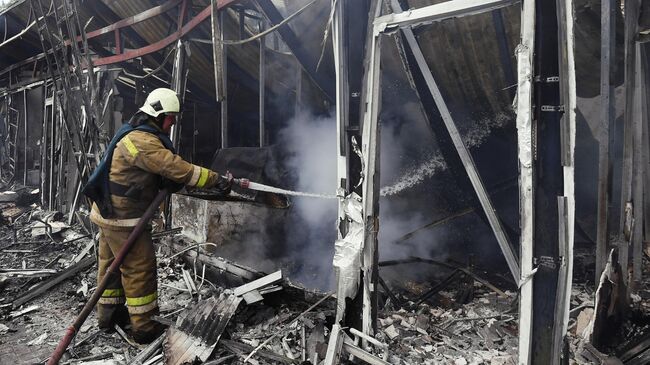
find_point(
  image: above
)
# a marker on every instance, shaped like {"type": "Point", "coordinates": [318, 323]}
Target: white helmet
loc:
{"type": "Point", "coordinates": [161, 100]}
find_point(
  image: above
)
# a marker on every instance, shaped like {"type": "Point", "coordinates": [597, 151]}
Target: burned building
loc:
{"type": "Point", "coordinates": [425, 181]}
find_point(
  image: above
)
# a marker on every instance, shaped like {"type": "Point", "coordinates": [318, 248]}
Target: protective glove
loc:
{"type": "Point", "coordinates": [224, 183]}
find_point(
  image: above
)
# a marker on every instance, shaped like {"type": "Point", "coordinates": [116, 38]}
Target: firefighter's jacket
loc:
{"type": "Point", "coordinates": [140, 161]}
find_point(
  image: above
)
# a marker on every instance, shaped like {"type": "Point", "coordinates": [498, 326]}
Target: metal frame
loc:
{"type": "Point", "coordinates": [370, 185]}
{"type": "Point", "coordinates": [525, 125]}
{"type": "Point", "coordinates": [463, 152]}
{"type": "Point", "coordinates": [157, 46]}
{"type": "Point", "coordinates": [139, 52]}
{"type": "Point", "coordinates": [438, 12]}
{"type": "Point", "coordinates": [342, 92]}
{"type": "Point", "coordinates": [134, 19]}
{"type": "Point", "coordinates": [351, 57]}
{"type": "Point", "coordinates": [370, 130]}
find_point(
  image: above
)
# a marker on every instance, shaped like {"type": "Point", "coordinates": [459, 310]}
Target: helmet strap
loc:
{"type": "Point", "coordinates": [139, 118]}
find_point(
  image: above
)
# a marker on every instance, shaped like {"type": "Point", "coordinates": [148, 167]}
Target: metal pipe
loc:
{"type": "Point", "coordinates": [112, 271]}
{"type": "Point", "coordinates": [50, 174]}
{"type": "Point", "coordinates": [60, 175]}
{"type": "Point", "coordinates": [224, 81]}
{"type": "Point", "coordinates": [43, 149]}
{"type": "Point", "coordinates": [25, 138]}
{"type": "Point", "coordinates": [298, 100]}
{"type": "Point", "coordinates": [216, 50]}
{"type": "Point", "coordinates": [262, 81]}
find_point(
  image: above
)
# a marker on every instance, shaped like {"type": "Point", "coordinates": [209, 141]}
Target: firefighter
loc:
{"type": "Point", "coordinates": [138, 162]}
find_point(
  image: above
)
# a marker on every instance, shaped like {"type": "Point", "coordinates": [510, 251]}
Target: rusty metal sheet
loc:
{"type": "Point", "coordinates": [161, 43]}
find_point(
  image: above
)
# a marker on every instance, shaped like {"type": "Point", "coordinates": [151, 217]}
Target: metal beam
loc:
{"type": "Point", "coordinates": [566, 227]}
{"type": "Point", "coordinates": [463, 152]}
{"type": "Point", "coordinates": [525, 140]}
{"type": "Point", "coordinates": [645, 48]}
{"type": "Point", "coordinates": [438, 12]}
{"type": "Point", "coordinates": [134, 19]}
{"type": "Point", "coordinates": [370, 186]}
{"type": "Point", "coordinates": [342, 91]}
{"type": "Point", "coordinates": [351, 32]}
{"type": "Point", "coordinates": [561, 304]}
{"type": "Point", "coordinates": [435, 124]}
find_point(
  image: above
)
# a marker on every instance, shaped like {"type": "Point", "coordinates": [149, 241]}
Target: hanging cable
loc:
{"type": "Point", "coordinates": [326, 35]}
{"type": "Point", "coordinates": [164, 61]}
{"type": "Point", "coordinates": [270, 30]}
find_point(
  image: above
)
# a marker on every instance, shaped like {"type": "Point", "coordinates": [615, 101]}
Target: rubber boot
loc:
{"type": "Point", "coordinates": [109, 315]}
{"type": "Point", "coordinates": [145, 337]}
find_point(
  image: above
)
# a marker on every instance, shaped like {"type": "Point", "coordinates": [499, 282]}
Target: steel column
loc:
{"type": "Point", "coordinates": [639, 167]}
{"type": "Point", "coordinates": [25, 138]}
{"type": "Point", "coordinates": [606, 138]}
{"type": "Point", "coordinates": [525, 141]}
{"type": "Point", "coordinates": [549, 112]}
{"type": "Point", "coordinates": [370, 187]}
{"type": "Point", "coordinates": [627, 173]}
{"type": "Point", "coordinates": [342, 96]}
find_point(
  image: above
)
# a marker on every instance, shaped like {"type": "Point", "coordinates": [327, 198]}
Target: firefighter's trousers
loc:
{"type": "Point", "coordinates": [136, 286]}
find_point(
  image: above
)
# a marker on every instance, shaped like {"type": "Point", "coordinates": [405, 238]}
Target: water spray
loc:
{"type": "Point", "coordinates": [247, 184]}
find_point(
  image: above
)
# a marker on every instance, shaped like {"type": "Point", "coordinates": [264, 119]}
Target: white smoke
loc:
{"type": "Point", "coordinates": [407, 161]}
{"type": "Point", "coordinates": [310, 142]}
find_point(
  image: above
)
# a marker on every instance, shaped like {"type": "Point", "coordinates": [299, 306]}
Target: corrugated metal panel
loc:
{"type": "Point", "coordinates": [198, 330]}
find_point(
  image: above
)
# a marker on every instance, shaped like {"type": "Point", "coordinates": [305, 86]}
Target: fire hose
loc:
{"type": "Point", "coordinates": [113, 270]}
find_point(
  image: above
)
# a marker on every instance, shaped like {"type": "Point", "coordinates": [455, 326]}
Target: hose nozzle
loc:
{"type": "Point", "coordinates": [242, 182]}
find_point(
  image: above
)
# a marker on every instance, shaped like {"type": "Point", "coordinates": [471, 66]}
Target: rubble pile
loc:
{"type": "Point", "coordinates": [628, 343]}
{"type": "Point", "coordinates": [223, 312]}
{"type": "Point", "coordinates": [480, 332]}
